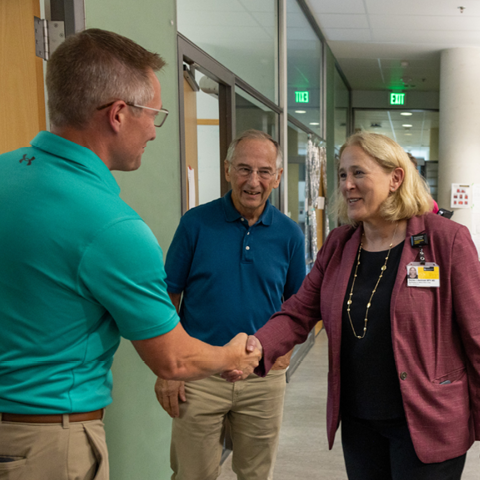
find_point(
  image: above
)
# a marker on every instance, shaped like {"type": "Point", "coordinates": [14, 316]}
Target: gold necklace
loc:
{"type": "Point", "coordinates": [369, 304]}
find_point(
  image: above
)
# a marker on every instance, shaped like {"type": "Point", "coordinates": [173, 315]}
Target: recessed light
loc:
{"type": "Point", "coordinates": [314, 123]}
{"type": "Point", "coordinates": [406, 125]}
{"type": "Point", "coordinates": [408, 134]}
{"type": "Point", "coordinates": [406, 114]}
{"type": "Point", "coordinates": [300, 111]}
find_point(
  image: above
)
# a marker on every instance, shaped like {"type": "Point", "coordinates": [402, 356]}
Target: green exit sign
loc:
{"type": "Point", "coordinates": [397, 99]}
{"type": "Point", "coordinates": [301, 97]}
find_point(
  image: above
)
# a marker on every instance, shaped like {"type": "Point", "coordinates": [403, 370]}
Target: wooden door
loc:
{"type": "Point", "coordinates": [22, 100]}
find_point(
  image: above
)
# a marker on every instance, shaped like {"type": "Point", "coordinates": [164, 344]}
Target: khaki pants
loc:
{"type": "Point", "coordinates": [253, 408]}
{"type": "Point", "coordinates": [53, 451]}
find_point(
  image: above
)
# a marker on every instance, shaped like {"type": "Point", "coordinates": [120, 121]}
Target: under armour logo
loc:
{"type": "Point", "coordinates": [25, 159]}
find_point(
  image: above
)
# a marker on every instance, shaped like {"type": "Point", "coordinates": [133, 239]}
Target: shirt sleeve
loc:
{"type": "Point", "coordinates": [179, 259]}
{"type": "Point", "coordinates": [299, 314]}
{"type": "Point", "coordinates": [296, 269]}
{"type": "Point", "coordinates": [122, 269]}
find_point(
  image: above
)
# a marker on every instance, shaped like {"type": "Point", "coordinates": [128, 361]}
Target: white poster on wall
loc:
{"type": "Point", "coordinates": [191, 187]}
{"type": "Point", "coordinates": [461, 196]}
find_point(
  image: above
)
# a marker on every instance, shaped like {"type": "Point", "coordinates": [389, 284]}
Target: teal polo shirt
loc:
{"type": "Point", "coordinates": [78, 269]}
{"type": "Point", "coordinates": [233, 276]}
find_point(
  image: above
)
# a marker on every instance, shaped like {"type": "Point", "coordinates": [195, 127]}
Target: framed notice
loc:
{"type": "Point", "coordinates": [461, 196]}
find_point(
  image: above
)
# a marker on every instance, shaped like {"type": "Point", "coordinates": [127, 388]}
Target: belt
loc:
{"type": "Point", "coordinates": [73, 417]}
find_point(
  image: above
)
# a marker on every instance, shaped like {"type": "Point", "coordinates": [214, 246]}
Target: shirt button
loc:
{"type": "Point", "coordinates": [247, 248]}
{"type": "Point", "coordinates": [403, 375]}
{"type": "Point", "coordinates": [248, 233]}
{"type": "Point", "coordinates": [242, 219]}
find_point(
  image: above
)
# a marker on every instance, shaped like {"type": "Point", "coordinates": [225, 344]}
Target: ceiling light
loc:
{"type": "Point", "coordinates": [406, 125]}
{"type": "Point", "coordinates": [408, 134]}
{"type": "Point", "coordinates": [314, 123]}
{"type": "Point", "coordinates": [300, 111]}
{"type": "Point", "coordinates": [406, 114]}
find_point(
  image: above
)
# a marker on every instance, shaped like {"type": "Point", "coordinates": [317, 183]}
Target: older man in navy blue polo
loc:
{"type": "Point", "coordinates": [234, 259]}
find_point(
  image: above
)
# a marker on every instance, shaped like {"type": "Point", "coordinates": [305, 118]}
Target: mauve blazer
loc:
{"type": "Point", "coordinates": [435, 333]}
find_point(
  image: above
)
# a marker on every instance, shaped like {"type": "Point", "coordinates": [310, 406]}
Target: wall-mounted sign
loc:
{"type": "Point", "coordinates": [301, 97]}
{"type": "Point", "coordinates": [397, 99]}
{"type": "Point", "coordinates": [461, 196]}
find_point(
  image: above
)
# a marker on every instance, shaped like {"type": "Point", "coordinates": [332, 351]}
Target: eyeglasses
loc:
{"type": "Point", "coordinates": [160, 116]}
{"type": "Point", "coordinates": [246, 172]}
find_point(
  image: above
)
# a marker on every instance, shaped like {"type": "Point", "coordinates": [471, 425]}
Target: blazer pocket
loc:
{"type": "Point", "coordinates": [450, 377]}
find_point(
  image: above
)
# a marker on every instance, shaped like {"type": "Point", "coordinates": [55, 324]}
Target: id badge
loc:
{"type": "Point", "coordinates": [419, 275]}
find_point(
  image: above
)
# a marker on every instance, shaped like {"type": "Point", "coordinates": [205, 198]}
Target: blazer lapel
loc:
{"type": "Point", "coordinates": [415, 226]}
{"type": "Point", "coordinates": [349, 255]}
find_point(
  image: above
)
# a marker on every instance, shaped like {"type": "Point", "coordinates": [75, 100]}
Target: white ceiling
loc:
{"type": "Point", "coordinates": [370, 38]}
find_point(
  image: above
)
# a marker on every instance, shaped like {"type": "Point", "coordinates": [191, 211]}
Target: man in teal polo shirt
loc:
{"type": "Point", "coordinates": [79, 268]}
{"type": "Point", "coordinates": [235, 259]}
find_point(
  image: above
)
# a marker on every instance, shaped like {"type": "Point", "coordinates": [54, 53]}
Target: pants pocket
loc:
{"type": "Point", "coordinates": [96, 437]}
{"type": "Point", "coordinates": [11, 467]}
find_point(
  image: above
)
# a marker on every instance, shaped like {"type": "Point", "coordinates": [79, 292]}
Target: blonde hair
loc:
{"type": "Point", "coordinates": [412, 198]}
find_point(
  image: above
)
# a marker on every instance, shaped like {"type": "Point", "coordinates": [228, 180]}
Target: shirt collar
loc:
{"type": "Point", "coordinates": [75, 153]}
{"type": "Point", "coordinates": [232, 214]}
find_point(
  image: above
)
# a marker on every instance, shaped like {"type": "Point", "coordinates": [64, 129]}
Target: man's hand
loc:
{"type": "Point", "coordinates": [251, 347]}
{"type": "Point", "coordinates": [282, 362]}
{"type": "Point", "coordinates": [168, 392]}
{"type": "Point", "coordinates": [248, 351]}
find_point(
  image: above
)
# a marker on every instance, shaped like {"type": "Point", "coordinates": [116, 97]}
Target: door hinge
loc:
{"type": "Point", "coordinates": [48, 36]}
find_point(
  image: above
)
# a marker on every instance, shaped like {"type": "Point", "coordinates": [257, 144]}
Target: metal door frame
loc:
{"type": "Point", "coordinates": [191, 54]}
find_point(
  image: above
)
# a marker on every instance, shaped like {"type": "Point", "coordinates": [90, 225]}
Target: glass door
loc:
{"type": "Point", "coordinates": [207, 124]}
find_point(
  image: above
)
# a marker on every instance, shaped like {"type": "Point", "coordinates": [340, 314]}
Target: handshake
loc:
{"type": "Point", "coordinates": [247, 352]}
{"type": "Point", "coordinates": [243, 353]}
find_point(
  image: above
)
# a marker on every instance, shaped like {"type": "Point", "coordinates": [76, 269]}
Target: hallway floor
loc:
{"type": "Point", "coordinates": [303, 450]}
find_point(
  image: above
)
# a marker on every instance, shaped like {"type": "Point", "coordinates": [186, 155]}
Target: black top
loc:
{"type": "Point", "coordinates": [370, 386]}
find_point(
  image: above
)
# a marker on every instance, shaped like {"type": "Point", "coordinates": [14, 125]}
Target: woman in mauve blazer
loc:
{"type": "Point", "coordinates": [434, 332]}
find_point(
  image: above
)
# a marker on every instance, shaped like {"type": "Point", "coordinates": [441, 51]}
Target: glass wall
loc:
{"type": "Point", "coordinates": [250, 113]}
{"type": "Point", "coordinates": [416, 131]}
{"type": "Point", "coordinates": [208, 139]}
{"type": "Point", "coordinates": [304, 68]}
{"type": "Point", "coordinates": [240, 34]}
{"type": "Point", "coordinates": [342, 103]}
{"type": "Point", "coordinates": [297, 151]}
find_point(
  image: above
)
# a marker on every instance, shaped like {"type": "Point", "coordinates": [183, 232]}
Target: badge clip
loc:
{"type": "Point", "coordinates": [419, 241]}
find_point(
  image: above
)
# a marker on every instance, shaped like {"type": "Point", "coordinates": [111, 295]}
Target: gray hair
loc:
{"type": "Point", "coordinates": [254, 135]}
{"type": "Point", "coordinates": [94, 67]}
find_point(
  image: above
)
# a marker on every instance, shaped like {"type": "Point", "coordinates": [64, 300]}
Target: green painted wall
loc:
{"type": "Point", "coordinates": [138, 430]}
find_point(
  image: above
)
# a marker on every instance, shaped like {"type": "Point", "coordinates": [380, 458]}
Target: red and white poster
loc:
{"type": "Point", "coordinates": [461, 196]}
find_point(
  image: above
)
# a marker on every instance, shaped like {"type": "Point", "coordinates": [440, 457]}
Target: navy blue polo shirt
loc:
{"type": "Point", "coordinates": [233, 276]}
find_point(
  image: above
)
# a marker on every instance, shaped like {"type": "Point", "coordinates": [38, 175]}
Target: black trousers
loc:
{"type": "Point", "coordinates": [383, 450]}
